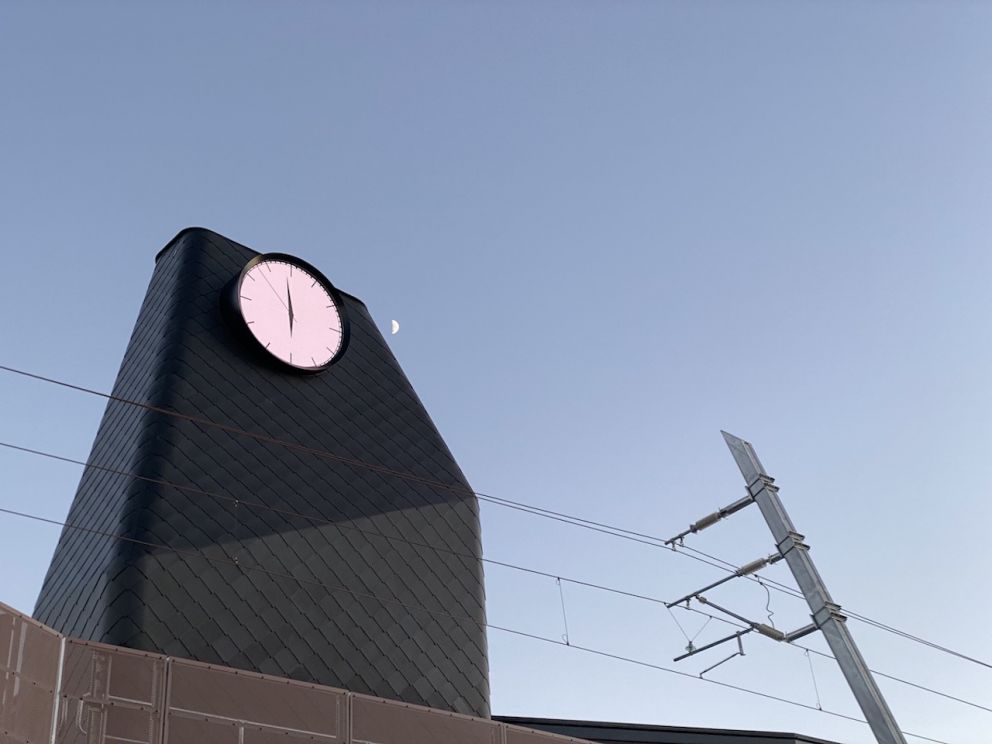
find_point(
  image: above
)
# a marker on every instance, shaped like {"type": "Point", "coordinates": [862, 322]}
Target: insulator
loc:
{"type": "Point", "coordinates": [706, 521]}
{"type": "Point", "coordinates": [750, 568]}
{"type": "Point", "coordinates": [768, 630]}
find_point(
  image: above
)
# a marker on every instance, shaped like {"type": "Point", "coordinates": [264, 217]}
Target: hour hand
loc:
{"type": "Point", "coordinates": [289, 306]}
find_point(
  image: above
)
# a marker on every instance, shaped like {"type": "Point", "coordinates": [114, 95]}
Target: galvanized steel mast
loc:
{"type": "Point", "coordinates": [825, 612]}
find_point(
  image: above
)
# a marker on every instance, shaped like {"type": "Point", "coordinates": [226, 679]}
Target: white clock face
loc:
{"type": "Point", "coordinates": [291, 312]}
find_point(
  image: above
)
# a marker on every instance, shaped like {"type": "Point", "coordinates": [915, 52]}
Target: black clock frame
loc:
{"type": "Point", "coordinates": [230, 302]}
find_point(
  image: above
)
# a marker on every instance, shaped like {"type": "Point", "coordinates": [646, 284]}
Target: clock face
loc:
{"type": "Point", "coordinates": [292, 311]}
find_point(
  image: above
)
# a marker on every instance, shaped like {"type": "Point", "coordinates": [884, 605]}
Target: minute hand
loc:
{"type": "Point", "coordinates": [289, 299]}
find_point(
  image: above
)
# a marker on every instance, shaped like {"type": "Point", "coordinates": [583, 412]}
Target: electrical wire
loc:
{"type": "Point", "coordinates": [593, 525]}
{"type": "Point", "coordinates": [564, 614]}
{"type": "Point", "coordinates": [449, 551]}
{"type": "Point", "coordinates": [503, 564]}
{"type": "Point", "coordinates": [620, 532]}
{"type": "Point", "coordinates": [688, 640]}
{"type": "Point", "coordinates": [321, 520]}
{"type": "Point", "coordinates": [892, 677]}
{"type": "Point", "coordinates": [266, 439]}
{"type": "Point", "coordinates": [236, 502]}
{"type": "Point", "coordinates": [768, 604]}
{"type": "Point", "coordinates": [917, 639]}
{"type": "Point", "coordinates": [812, 674]}
{"type": "Point", "coordinates": [700, 631]}
{"type": "Point", "coordinates": [392, 538]}
{"type": "Point", "coordinates": [442, 613]}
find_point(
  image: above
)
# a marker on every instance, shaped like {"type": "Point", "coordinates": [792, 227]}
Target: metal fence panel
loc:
{"type": "Point", "coordinates": [29, 662]}
{"type": "Point", "coordinates": [271, 736]}
{"type": "Point", "coordinates": [261, 707]}
{"type": "Point", "coordinates": [182, 730]}
{"type": "Point", "coordinates": [110, 695]}
{"type": "Point", "coordinates": [377, 721]}
{"type": "Point", "coordinates": [520, 735]}
{"type": "Point", "coordinates": [101, 694]}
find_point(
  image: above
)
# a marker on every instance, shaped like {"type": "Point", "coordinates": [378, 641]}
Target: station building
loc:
{"type": "Point", "coordinates": [270, 542]}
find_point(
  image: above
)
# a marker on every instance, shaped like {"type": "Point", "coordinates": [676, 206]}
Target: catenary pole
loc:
{"type": "Point", "coordinates": [825, 612]}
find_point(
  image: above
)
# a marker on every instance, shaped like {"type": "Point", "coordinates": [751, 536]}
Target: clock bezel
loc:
{"type": "Point", "coordinates": [231, 303]}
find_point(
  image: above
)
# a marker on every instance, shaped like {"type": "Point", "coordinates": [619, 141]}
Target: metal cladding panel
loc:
{"type": "Point", "coordinates": [29, 660]}
{"type": "Point", "coordinates": [262, 703]}
{"type": "Point", "coordinates": [387, 722]}
{"type": "Point", "coordinates": [200, 730]}
{"type": "Point", "coordinates": [518, 735]}
{"type": "Point", "coordinates": [319, 592]}
{"type": "Point", "coordinates": [110, 694]}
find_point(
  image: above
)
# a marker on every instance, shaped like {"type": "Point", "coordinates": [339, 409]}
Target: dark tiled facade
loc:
{"type": "Point", "coordinates": [182, 357]}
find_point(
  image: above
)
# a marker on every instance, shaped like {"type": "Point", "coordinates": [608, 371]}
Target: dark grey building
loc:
{"type": "Point", "coordinates": [635, 733]}
{"type": "Point", "coordinates": [247, 552]}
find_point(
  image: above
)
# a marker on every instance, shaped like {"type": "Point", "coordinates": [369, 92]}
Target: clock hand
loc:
{"type": "Point", "coordinates": [289, 297]}
{"type": "Point", "coordinates": [274, 290]}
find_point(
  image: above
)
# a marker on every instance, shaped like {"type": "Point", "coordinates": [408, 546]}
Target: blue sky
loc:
{"type": "Point", "coordinates": [609, 230]}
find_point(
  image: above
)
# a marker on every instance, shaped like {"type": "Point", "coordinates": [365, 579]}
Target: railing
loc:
{"type": "Point", "coordinates": [58, 690]}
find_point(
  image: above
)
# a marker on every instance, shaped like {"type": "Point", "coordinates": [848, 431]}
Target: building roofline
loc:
{"type": "Point", "coordinates": [645, 727]}
{"type": "Point", "coordinates": [194, 229]}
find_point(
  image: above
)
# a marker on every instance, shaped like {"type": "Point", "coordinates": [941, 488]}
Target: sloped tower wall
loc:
{"type": "Point", "coordinates": [321, 597]}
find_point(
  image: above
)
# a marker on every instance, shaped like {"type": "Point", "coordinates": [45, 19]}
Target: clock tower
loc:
{"type": "Point", "coordinates": [280, 500]}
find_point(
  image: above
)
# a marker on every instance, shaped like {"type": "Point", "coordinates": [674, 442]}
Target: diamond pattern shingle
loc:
{"type": "Point", "coordinates": [183, 357]}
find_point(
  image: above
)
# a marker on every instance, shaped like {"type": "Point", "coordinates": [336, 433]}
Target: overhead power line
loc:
{"type": "Point", "coordinates": [503, 564]}
{"type": "Point", "coordinates": [806, 649]}
{"type": "Point", "coordinates": [441, 613]}
{"type": "Point", "coordinates": [917, 639]}
{"type": "Point", "coordinates": [922, 688]}
{"type": "Point", "coordinates": [593, 525]}
{"type": "Point", "coordinates": [319, 520]}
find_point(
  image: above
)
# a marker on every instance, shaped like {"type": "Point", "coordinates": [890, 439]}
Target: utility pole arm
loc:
{"type": "Point", "coordinates": [825, 612]}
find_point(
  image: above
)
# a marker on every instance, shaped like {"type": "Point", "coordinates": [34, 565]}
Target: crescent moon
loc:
{"type": "Point", "coordinates": [396, 327]}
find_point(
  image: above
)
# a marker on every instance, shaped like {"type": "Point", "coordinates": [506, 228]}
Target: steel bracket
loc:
{"type": "Point", "coordinates": [760, 483]}
{"type": "Point", "coordinates": [791, 541]}
{"type": "Point", "coordinates": [829, 611]}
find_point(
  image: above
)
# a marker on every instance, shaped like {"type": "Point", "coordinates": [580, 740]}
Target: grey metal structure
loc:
{"type": "Point", "coordinates": [825, 612]}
